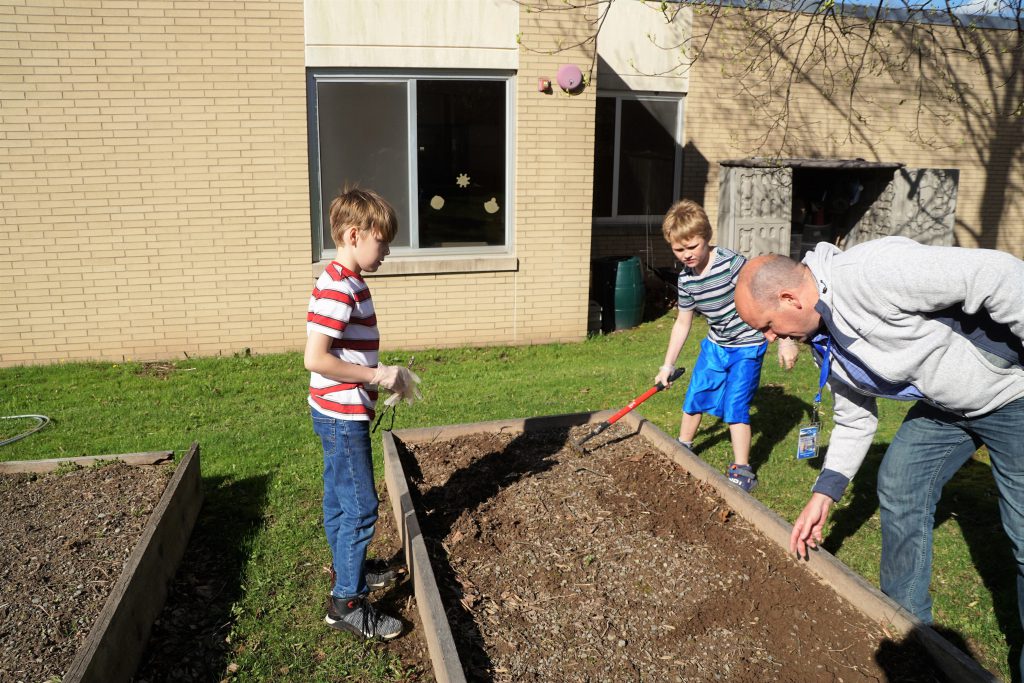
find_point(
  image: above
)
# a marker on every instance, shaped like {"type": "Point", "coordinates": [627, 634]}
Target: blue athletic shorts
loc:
{"type": "Point", "coordinates": [724, 381]}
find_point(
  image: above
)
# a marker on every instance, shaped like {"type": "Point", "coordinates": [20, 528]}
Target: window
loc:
{"type": "Point", "coordinates": [638, 158]}
{"type": "Point", "coordinates": [437, 147]}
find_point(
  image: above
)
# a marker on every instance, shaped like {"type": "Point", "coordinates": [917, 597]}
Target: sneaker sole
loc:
{"type": "Point", "coordinates": [377, 585]}
{"type": "Point", "coordinates": [342, 625]}
{"type": "Point", "coordinates": [740, 485]}
{"type": "Point", "coordinates": [385, 583]}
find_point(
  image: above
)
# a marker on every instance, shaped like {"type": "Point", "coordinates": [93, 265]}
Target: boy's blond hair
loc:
{"type": "Point", "coordinates": [364, 209]}
{"type": "Point", "coordinates": [685, 220]}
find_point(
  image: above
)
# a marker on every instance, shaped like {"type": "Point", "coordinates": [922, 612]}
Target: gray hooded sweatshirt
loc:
{"type": "Point", "coordinates": [942, 324]}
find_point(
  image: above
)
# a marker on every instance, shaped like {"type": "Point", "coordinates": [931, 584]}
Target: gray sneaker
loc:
{"type": "Point", "coordinates": [378, 574]}
{"type": "Point", "coordinates": [357, 615]}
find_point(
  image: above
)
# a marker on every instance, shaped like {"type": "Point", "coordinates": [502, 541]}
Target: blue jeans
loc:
{"type": "Point", "coordinates": [929, 447]}
{"type": "Point", "coordinates": [350, 499]}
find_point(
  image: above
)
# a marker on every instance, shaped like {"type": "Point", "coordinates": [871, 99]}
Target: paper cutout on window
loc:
{"type": "Point", "coordinates": [462, 181]}
{"type": "Point", "coordinates": [437, 202]}
{"type": "Point", "coordinates": [491, 206]}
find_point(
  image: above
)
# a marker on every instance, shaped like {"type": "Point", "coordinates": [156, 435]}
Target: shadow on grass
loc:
{"type": "Point", "coordinates": [187, 642]}
{"type": "Point", "coordinates": [861, 499]}
{"type": "Point", "coordinates": [774, 414]}
{"type": "Point", "coordinates": [439, 507]}
{"type": "Point", "coordinates": [901, 659]}
{"type": "Point", "coordinates": [777, 414]}
{"type": "Point", "coordinates": [971, 498]}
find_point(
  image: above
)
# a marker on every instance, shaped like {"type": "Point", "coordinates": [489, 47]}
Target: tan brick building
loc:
{"type": "Point", "coordinates": [164, 165]}
{"type": "Point", "coordinates": [155, 191]}
{"type": "Point", "coordinates": [909, 114]}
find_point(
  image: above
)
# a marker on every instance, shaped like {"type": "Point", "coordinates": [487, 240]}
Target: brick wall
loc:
{"type": "Point", "coordinates": [153, 160]}
{"type": "Point", "coordinates": [544, 300]}
{"type": "Point", "coordinates": [554, 175]}
{"type": "Point", "coordinates": [156, 200]}
{"type": "Point", "coordinates": [984, 140]}
{"type": "Point", "coordinates": [154, 166]}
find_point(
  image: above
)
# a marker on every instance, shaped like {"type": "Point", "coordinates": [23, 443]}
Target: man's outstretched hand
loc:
{"type": "Point", "coordinates": [807, 528]}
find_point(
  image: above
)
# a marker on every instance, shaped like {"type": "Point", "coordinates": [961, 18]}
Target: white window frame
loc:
{"type": "Point", "coordinates": [677, 174]}
{"type": "Point", "coordinates": [318, 76]}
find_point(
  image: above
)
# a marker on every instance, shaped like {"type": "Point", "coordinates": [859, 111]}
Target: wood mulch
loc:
{"type": "Point", "coordinates": [64, 539]}
{"type": "Point", "coordinates": [617, 565]}
{"type": "Point", "coordinates": [611, 566]}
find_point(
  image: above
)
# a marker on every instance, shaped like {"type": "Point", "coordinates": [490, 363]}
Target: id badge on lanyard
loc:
{"type": "Point", "coordinates": [807, 443]}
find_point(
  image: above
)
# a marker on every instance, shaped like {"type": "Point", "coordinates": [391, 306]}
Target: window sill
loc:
{"type": "Point", "coordinates": [419, 265]}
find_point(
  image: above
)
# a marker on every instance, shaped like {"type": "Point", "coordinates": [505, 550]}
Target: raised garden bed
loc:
{"type": "Point", "coordinates": [89, 551]}
{"type": "Point", "coordinates": [635, 561]}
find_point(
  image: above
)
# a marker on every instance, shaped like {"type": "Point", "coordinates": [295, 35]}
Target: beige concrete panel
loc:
{"type": "Point", "coordinates": [396, 33]}
{"type": "Point", "coordinates": [399, 57]}
{"type": "Point", "coordinates": [643, 46]}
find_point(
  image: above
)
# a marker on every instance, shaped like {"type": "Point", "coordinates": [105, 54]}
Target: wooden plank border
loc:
{"type": "Point", "coordinates": [115, 644]}
{"type": "Point", "coordinates": [51, 464]}
{"type": "Point", "coordinates": [859, 593]}
{"type": "Point", "coordinates": [438, 633]}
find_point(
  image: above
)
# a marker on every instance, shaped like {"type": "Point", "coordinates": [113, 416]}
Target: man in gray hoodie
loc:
{"type": "Point", "coordinates": [892, 318]}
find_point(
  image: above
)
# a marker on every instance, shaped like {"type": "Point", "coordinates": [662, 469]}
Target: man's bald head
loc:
{"type": "Point", "coordinates": [774, 295]}
{"type": "Point", "coordinates": [766, 276]}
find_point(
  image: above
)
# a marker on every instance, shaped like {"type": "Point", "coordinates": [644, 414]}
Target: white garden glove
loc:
{"type": "Point", "coordinates": [662, 377]}
{"type": "Point", "coordinates": [391, 377]}
{"type": "Point", "coordinates": [401, 381]}
{"type": "Point", "coordinates": [410, 395]}
{"type": "Point", "coordinates": [789, 350]}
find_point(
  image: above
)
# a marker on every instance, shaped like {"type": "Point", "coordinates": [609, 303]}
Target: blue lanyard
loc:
{"type": "Point", "coordinates": [826, 365]}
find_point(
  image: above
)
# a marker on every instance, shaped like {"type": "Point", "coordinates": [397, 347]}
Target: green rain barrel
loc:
{"type": "Point", "coordinates": [619, 289]}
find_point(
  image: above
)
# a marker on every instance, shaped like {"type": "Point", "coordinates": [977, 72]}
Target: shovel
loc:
{"type": "Point", "coordinates": [578, 445]}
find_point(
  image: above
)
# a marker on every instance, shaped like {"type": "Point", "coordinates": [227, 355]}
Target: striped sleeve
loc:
{"type": "Point", "coordinates": [330, 305]}
{"type": "Point", "coordinates": [684, 301]}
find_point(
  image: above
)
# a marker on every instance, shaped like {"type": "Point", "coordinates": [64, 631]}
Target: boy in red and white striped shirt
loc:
{"type": "Point", "coordinates": [341, 355]}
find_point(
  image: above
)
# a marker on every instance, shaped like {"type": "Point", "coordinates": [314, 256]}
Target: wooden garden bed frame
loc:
{"type": "Point", "coordinates": [876, 606]}
{"type": "Point", "coordinates": [116, 641]}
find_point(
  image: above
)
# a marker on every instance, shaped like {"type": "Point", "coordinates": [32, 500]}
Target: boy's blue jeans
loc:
{"type": "Point", "coordinates": [928, 449]}
{"type": "Point", "coordinates": [350, 499]}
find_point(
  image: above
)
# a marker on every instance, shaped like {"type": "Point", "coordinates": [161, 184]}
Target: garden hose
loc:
{"type": "Point", "coordinates": [42, 419]}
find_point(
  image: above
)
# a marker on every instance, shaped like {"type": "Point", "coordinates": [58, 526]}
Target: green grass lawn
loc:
{"type": "Point", "coordinates": [261, 471]}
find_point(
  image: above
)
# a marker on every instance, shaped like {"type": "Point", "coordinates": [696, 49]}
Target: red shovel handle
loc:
{"type": "Point", "coordinates": [632, 404]}
{"type": "Point", "coordinates": [676, 374]}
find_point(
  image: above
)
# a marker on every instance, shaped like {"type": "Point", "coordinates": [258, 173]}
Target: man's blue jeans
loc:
{"type": "Point", "coordinates": [350, 499]}
{"type": "Point", "coordinates": [928, 449]}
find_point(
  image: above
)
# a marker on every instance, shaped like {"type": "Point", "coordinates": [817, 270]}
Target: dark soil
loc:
{"type": "Point", "coordinates": [619, 566]}
{"type": "Point", "coordinates": [615, 566]}
{"type": "Point", "coordinates": [64, 540]}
